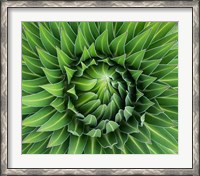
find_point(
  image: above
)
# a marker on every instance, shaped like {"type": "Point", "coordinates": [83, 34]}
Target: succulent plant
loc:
{"type": "Point", "coordinates": [100, 88]}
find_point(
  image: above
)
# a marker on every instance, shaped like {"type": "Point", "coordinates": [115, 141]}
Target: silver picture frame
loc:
{"type": "Point", "coordinates": [5, 5]}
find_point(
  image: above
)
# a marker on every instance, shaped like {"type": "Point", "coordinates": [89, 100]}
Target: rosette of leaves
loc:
{"type": "Point", "coordinates": [99, 87]}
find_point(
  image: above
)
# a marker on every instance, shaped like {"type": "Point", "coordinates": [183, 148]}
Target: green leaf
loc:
{"type": "Point", "coordinates": [107, 140]}
{"type": "Point", "coordinates": [117, 46]}
{"type": "Point", "coordinates": [27, 130]}
{"type": "Point", "coordinates": [162, 137]}
{"type": "Point", "coordinates": [117, 26]}
{"type": "Point", "coordinates": [134, 60]}
{"type": "Point", "coordinates": [76, 127]}
{"type": "Point", "coordinates": [128, 112]}
{"type": "Point", "coordinates": [80, 70]}
{"type": "Point", "coordinates": [74, 26]}
{"type": "Point", "coordinates": [111, 126]}
{"type": "Point", "coordinates": [32, 27]}
{"type": "Point", "coordinates": [83, 84]}
{"type": "Point", "coordinates": [55, 28]}
{"type": "Point", "coordinates": [53, 76]}
{"type": "Point", "coordinates": [112, 150]}
{"type": "Point", "coordinates": [29, 110]}
{"type": "Point", "coordinates": [164, 40]}
{"type": "Point", "coordinates": [54, 89]}
{"type": "Point", "coordinates": [70, 106]}
{"type": "Point", "coordinates": [121, 139]}
{"type": "Point", "coordinates": [72, 93]}
{"type": "Point", "coordinates": [171, 79]}
{"type": "Point", "coordinates": [139, 94]}
{"type": "Point", "coordinates": [27, 74]}
{"type": "Point", "coordinates": [40, 99]}
{"type": "Point", "coordinates": [33, 40]}
{"type": "Point", "coordinates": [117, 99]}
{"type": "Point", "coordinates": [158, 52]}
{"type": "Point", "coordinates": [70, 73]}
{"type": "Point", "coordinates": [156, 109]}
{"type": "Point", "coordinates": [68, 30]}
{"type": "Point", "coordinates": [128, 99]}
{"type": "Point", "coordinates": [48, 40]}
{"type": "Point", "coordinates": [173, 131]}
{"type": "Point", "coordinates": [25, 148]}
{"type": "Point", "coordinates": [90, 106]}
{"type": "Point", "coordinates": [120, 60]}
{"type": "Point", "coordinates": [63, 59]}
{"type": "Point", "coordinates": [48, 60]}
{"type": "Point", "coordinates": [90, 120]}
{"type": "Point", "coordinates": [119, 116]}
{"type": "Point", "coordinates": [85, 55]}
{"type": "Point", "coordinates": [85, 28]}
{"type": "Point", "coordinates": [92, 51]}
{"type": "Point", "coordinates": [39, 118]}
{"type": "Point", "coordinates": [32, 86]}
{"type": "Point", "coordinates": [137, 43]}
{"type": "Point", "coordinates": [145, 80]}
{"type": "Point", "coordinates": [110, 111]}
{"type": "Point", "coordinates": [67, 44]}
{"type": "Point", "coordinates": [167, 150]}
{"type": "Point", "coordinates": [59, 104]}
{"type": "Point", "coordinates": [101, 43]}
{"type": "Point", "coordinates": [80, 43]}
{"type": "Point", "coordinates": [136, 147]}
{"type": "Point", "coordinates": [107, 26]}
{"type": "Point", "coordinates": [98, 113]}
{"type": "Point", "coordinates": [149, 66]}
{"type": "Point", "coordinates": [45, 24]}
{"type": "Point", "coordinates": [85, 97]}
{"type": "Point", "coordinates": [38, 148]}
{"type": "Point", "coordinates": [154, 27]}
{"type": "Point", "coordinates": [94, 29]}
{"type": "Point", "coordinates": [92, 146]}
{"type": "Point", "coordinates": [94, 133]}
{"type": "Point", "coordinates": [143, 105]}
{"type": "Point", "coordinates": [171, 101]}
{"type": "Point", "coordinates": [139, 28]}
{"type": "Point", "coordinates": [143, 136]}
{"type": "Point", "coordinates": [56, 122]}
{"type": "Point", "coordinates": [102, 125]}
{"type": "Point", "coordinates": [163, 70]}
{"type": "Point", "coordinates": [135, 74]}
{"type": "Point", "coordinates": [154, 90]}
{"type": "Point", "coordinates": [129, 27]}
{"type": "Point", "coordinates": [26, 49]}
{"type": "Point", "coordinates": [121, 89]}
{"type": "Point", "coordinates": [171, 112]}
{"type": "Point", "coordinates": [155, 149]}
{"type": "Point", "coordinates": [34, 137]}
{"type": "Point", "coordinates": [165, 27]}
{"type": "Point", "coordinates": [131, 126]}
{"type": "Point", "coordinates": [77, 144]}
{"type": "Point", "coordinates": [58, 137]}
{"type": "Point", "coordinates": [170, 56]}
{"type": "Point", "coordinates": [60, 149]}
{"type": "Point", "coordinates": [34, 65]}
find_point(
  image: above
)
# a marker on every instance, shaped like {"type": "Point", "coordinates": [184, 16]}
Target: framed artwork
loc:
{"type": "Point", "coordinates": [99, 88]}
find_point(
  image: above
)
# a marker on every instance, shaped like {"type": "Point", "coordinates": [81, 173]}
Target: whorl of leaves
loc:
{"type": "Point", "coordinates": [99, 87]}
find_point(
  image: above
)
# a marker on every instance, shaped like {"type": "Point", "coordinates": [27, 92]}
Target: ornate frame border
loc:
{"type": "Point", "coordinates": [4, 85]}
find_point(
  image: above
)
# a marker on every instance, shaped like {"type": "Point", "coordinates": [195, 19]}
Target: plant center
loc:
{"type": "Point", "coordinates": [98, 85]}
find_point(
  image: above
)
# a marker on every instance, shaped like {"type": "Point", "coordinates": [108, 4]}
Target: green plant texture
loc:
{"type": "Point", "coordinates": [99, 88]}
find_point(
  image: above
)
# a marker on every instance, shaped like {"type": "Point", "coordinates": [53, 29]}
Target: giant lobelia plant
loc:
{"type": "Point", "coordinates": [99, 88]}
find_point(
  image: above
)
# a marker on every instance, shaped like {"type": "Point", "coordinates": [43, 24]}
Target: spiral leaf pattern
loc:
{"type": "Point", "coordinates": [99, 88]}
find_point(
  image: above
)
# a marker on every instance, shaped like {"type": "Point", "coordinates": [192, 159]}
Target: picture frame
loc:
{"type": "Point", "coordinates": [5, 159]}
